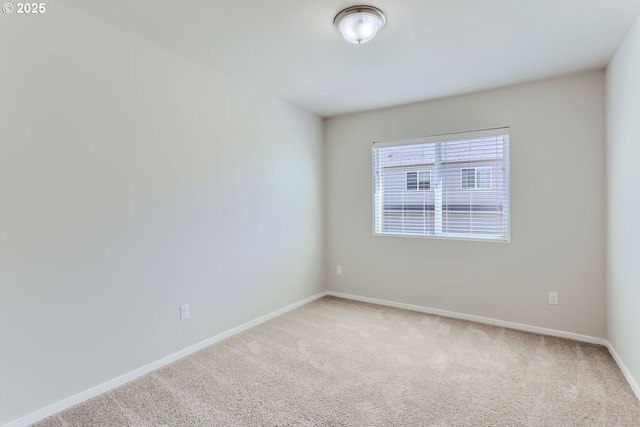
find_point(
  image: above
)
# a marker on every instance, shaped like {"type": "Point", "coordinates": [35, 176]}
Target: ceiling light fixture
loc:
{"type": "Point", "coordinates": [359, 24]}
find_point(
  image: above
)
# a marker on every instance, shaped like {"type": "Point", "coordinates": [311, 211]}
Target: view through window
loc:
{"type": "Point", "coordinates": [454, 185]}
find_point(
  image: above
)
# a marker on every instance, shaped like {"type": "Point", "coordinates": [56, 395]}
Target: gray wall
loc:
{"type": "Point", "coordinates": [557, 209]}
{"type": "Point", "coordinates": [131, 182]}
{"type": "Point", "coordinates": [623, 181]}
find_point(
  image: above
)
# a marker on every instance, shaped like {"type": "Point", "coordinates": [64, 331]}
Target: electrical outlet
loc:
{"type": "Point", "coordinates": [184, 311]}
{"type": "Point", "coordinates": [339, 270]}
{"type": "Point", "coordinates": [553, 298]}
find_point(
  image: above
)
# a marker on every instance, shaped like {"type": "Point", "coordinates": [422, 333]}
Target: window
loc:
{"type": "Point", "coordinates": [476, 178]}
{"type": "Point", "coordinates": [464, 180]}
{"type": "Point", "coordinates": [419, 180]}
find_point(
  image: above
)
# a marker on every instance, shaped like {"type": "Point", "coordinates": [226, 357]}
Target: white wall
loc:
{"type": "Point", "coordinates": [623, 213]}
{"type": "Point", "coordinates": [557, 204]}
{"type": "Point", "coordinates": [132, 181]}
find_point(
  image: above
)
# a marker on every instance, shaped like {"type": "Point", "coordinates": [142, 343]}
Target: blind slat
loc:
{"type": "Point", "coordinates": [453, 185]}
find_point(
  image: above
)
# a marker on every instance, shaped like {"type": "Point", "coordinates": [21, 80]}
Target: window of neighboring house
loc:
{"type": "Point", "coordinates": [419, 180]}
{"type": "Point", "coordinates": [476, 178]}
{"type": "Point", "coordinates": [456, 164]}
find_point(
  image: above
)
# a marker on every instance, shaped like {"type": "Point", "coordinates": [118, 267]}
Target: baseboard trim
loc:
{"type": "Point", "coordinates": [136, 373]}
{"type": "Point", "coordinates": [512, 325]}
{"type": "Point", "coordinates": [632, 381]}
{"type": "Point", "coordinates": [472, 318]}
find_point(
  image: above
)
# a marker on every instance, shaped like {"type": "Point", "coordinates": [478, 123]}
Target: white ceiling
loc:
{"type": "Point", "coordinates": [428, 49]}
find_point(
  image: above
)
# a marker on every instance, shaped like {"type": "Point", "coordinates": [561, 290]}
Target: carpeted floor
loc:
{"type": "Point", "coordinates": [335, 362]}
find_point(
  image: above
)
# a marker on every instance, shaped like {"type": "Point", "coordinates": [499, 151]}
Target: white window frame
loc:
{"type": "Point", "coordinates": [503, 203]}
{"type": "Point", "coordinates": [475, 178]}
{"type": "Point", "coordinates": [418, 173]}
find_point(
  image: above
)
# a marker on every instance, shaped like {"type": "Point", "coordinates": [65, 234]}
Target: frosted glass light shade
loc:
{"type": "Point", "coordinates": [359, 24]}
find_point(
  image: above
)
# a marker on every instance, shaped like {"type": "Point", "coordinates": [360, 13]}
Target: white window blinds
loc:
{"type": "Point", "coordinates": [464, 178]}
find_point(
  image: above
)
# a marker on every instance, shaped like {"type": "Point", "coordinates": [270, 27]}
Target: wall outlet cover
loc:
{"type": "Point", "coordinates": [184, 311]}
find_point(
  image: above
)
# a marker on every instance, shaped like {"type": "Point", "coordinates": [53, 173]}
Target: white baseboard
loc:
{"type": "Point", "coordinates": [116, 382]}
{"type": "Point", "coordinates": [472, 318]}
{"type": "Point", "coordinates": [632, 382]}
{"type": "Point", "coordinates": [512, 325]}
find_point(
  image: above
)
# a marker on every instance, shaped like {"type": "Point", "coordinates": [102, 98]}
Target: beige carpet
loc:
{"type": "Point", "coordinates": [335, 362]}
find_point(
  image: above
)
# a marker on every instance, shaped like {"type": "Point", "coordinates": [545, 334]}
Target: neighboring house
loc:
{"type": "Point", "coordinates": [428, 186]}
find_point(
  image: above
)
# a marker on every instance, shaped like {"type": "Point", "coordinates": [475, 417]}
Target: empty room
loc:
{"type": "Point", "coordinates": [320, 213]}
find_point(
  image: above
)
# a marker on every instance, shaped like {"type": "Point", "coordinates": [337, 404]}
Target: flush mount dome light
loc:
{"type": "Point", "coordinates": [359, 24]}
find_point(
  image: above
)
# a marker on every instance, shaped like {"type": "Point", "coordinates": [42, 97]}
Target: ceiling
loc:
{"type": "Point", "coordinates": [428, 49]}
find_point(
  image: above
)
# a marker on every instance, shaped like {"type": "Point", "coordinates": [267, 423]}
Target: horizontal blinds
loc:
{"type": "Point", "coordinates": [470, 135]}
{"type": "Point", "coordinates": [454, 185]}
